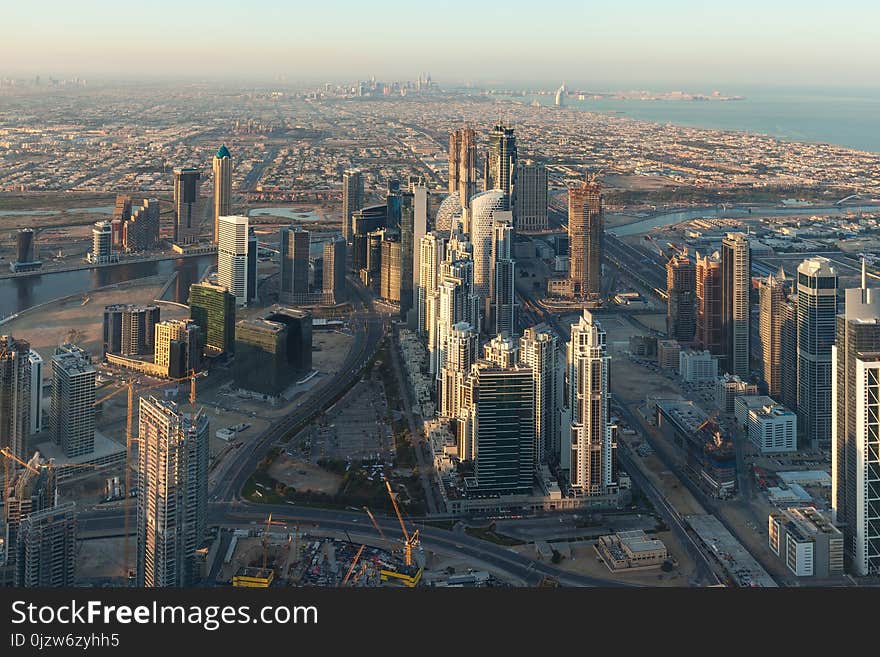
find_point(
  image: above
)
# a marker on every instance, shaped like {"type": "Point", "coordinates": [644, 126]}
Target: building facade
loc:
{"type": "Point", "coordinates": [681, 304]}
{"type": "Point", "coordinates": [531, 209]}
{"type": "Point", "coordinates": [212, 307]}
{"type": "Point", "coordinates": [232, 257]}
{"type": "Point", "coordinates": [586, 235]}
{"type": "Point", "coordinates": [736, 285]}
{"type": "Point", "coordinates": [222, 166]}
{"type": "Point", "coordinates": [72, 415]}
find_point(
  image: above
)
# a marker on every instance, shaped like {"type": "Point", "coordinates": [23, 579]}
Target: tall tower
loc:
{"type": "Point", "coordinates": [771, 298]}
{"type": "Point", "coordinates": [816, 313]}
{"type": "Point", "coordinates": [186, 204]}
{"type": "Point", "coordinates": [586, 235]}
{"type": "Point", "coordinates": [530, 211]}
{"type": "Point", "coordinates": [432, 248]}
{"type": "Point", "coordinates": [222, 187]}
{"type": "Point", "coordinates": [592, 459]}
{"type": "Point", "coordinates": [333, 283]}
{"type": "Point", "coordinates": [102, 243]}
{"type": "Point", "coordinates": [736, 284]}
{"type": "Point", "coordinates": [463, 164]}
{"type": "Point", "coordinates": [681, 292]}
{"type": "Point", "coordinates": [503, 278]}
{"type": "Point", "coordinates": [15, 398]}
{"type": "Point", "coordinates": [294, 256]}
{"type": "Point", "coordinates": [232, 257]}
{"type": "Point", "coordinates": [501, 163]}
{"type": "Point", "coordinates": [72, 418]}
{"type": "Point", "coordinates": [788, 354]}
{"type": "Point", "coordinates": [855, 448]}
{"type": "Point", "coordinates": [173, 493]}
{"type": "Point", "coordinates": [485, 208]}
{"type": "Point", "coordinates": [539, 351]}
{"type": "Point", "coordinates": [462, 351]}
{"type": "Point", "coordinates": [709, 335]}
{"type": "Point", "coordinates": [46, 548]}
{"type": "Point", "coordinates": [352, 199]}
{"type": "Point", "coordinates": [179, 345]}
{"type": "Point", "coordinates": [212, 307]}
{"type": "Point", "coordinates": [456, 301]}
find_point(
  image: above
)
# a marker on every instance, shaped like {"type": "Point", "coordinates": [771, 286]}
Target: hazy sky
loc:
{"type": "Point", "coordinates": [618, 42]}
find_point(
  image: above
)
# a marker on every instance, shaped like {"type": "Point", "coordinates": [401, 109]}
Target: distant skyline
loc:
{"type": "Point", "coordinates": [679, 43]}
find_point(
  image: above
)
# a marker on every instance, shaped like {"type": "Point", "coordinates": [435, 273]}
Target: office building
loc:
{"type": "Point", "coordinates": [586, 235]}
{"type": "Point", "coordinates": [141, 231]}
{"type": "Point", "coordinates": [462, 351]}
{"type": "Point", "coordinates": [816, 317]}
{"type": "Point", "coordinates": [121, 214]}
{"type": "Point", "coordinates": [25, 252]}
{"type": "Point", "coordinates": [503, 281]}
{"type": "Point", "coordinates": [299, 335]}
{"type": "Point", "coordinates": [788, 368]}
{"type": "Point", "coordinates": [855, 448]}
{"type": "Point", "coordinates": [15, 396]}
{"type": "Point", "coordinates": [36, 410]}
{"type": "Point", "coordinates": [172, 501]}
{"type": "Point", "coordinates": [222, 187]}
{"type": "Point", "coordinates": [736, 285]}
{"type": "Point", "coordinates": [772, 428]}
{"type": "Point", "coordinates": [390, 274]}
{"type": "Point", "coordinates": [253, 252]}
{"type": "Point", "coordinates": [681, 303]}
{"type": "Point", "coordinates": [294, 256]}
{"type": "Point", "coordinates": [232, 257]}
{"type": "Point", "coordinates": [352, 200]}
{"type": "Point", "coordinates": [462, 166]}
{"type": "Point", "coordinates": [129, 329]}
{"type": "Point", "coordinates": [591, 458]}
{"type": "Point", "coordinates": [539, 351]}
{"type": "Point", "coordinates": [771, 299]}
{"type": "Point", "coordinates": [179, 346]}
{"type": "Point", "coordinates": [46, 548]}
{"type": "Point", "coordinates": [414, 225]}
{"type": "Point", "coordinates": [432, 249]}
{"type": "Point", "coordinates": [333, 284]}
{"type": "Point", "coordinates": [486, 207]}
{"type": "Point", "coordinates": [728, 387]}
{"type": "Point", "coordinates": [697, 366]}
{"type": "Point", "coordinates": [102, 244]}
{"type": "Point", "coordinates": [212, 307]}
{"type": "Point", "coordinates": [363, 222]}
{"type": "Point", "coordinates": [806, 542]}
{"type": "Point", "coordinates": [186, 204]}
{"type": "Point", "coordinates": [272, 350]}
{"type": "Point", "coordinates": [709, 334]}
{"type": "Point", "coordinates": [72, 416]}
{"type": "Point", "coordinates": [449, 215]}
{"type": "Point", "coordinates": [668, 354]}
{"type": "Point", "coordinates": [531, 209]}
{"type": "Point", "coordinates": [456, 301]}
{"type": "Point", "coordinates": [500, 171]}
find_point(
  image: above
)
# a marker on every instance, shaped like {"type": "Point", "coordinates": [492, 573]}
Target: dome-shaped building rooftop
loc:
{"type": "Point", "coordinates": [449, 210]}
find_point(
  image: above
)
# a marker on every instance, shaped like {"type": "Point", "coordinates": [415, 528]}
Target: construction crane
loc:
{"type": "Point", "coordinates": [375, 524]}
{"type": "Point", "coordinates": [129, 386]}
{"type": "Point", "coordinates": [49, 465]}
{"type": "Point", "coordinates": [353, 564]}
{"type": "Point", "coordinates": [265, 541]}
{"type": "Point", "coordinates": [409, 541]}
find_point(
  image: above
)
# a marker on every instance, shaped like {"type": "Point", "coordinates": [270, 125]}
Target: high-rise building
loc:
{"type": "Point", "coordinates": [72, 417]}
{"type": "Point", "coordinates": [333, 284]}
{"type": "Point", "coordinates": [363, 222]}
{"type": "Point", "coordinates": [294, 256]}
{"type": "Point", "coordinates": [771, 298]}
{"type": "Point", "coordinates": [141, 231]}
{"type": "Point", "coordinates": [352, 199]}
{"type": "Point", "coordinates": [455, 299]}
{"type": "Point", "coordinates": [681, 303]}
{"type": "Point", "coordinates": [485, 208]}
{"type": "Point", "coordinates": [816, 317]}
{"type": "Point", "coordinates": [179, 345]}
{"type": "Point", "coordinates": [413, 226]}
{"type": "Point", "coordinates": [709, 335]}
{"type": "Point", "coordinates": [121, 214]}
{"type": "Point", "coordinates": [36, 363]}
{"type": "Point", "coordinates": [855, 448]}
{"type": "Point", "coordinates": [736, 286]}
{"type": "Point", "coordinates": [172, 493]}
{"type": "Point", "coordinates": [222, 187]}
{"type": "Point", "coordinates": [32, 489]}
{"type": "Point", "coordinates": [503, 291]}
{"type": "Point", "coordinates": [102, 244]}
{"type": "Point", "coordinates": [462, 351]}
{"type": "Point", "coordinates": [586, 235]}
{"type": "Point", "coordinates": [129, 329]}
{"type": "Point", "coordinates": [592, 461]}
{"type": "Point", "coordinates": [432, 248]}
{"type": "Point", "coordinates": [500, 172]}
{"type": "Point", "coordinates": [530, 211]}
{"type": "Point", "coordinates": [253, 252]}
{"type": "Point", "coordinates": [500, 427]}
{"type": "Point", "coordinates": [449, 215]}
{"type": "Point", "coordinates": [46, 548]}
{"type": "Point", "coordinates": [15, 397]}
{"type": "Point", "coordinates": [25, 252]}
{"type": "Point", "coordinates": [186, 204]}
{"type": "Point", "coordinates": [539, 351]}
{"type": "Point", "coordinates": [271, 350]}
{"type": "Point", "coordinates": [463, 165]}
{"type": "Point", "coordinates": [232, 257]}
{"type": "Point", "coordinates": [212, 307]}
{"type": "Point", "coordinates": [501, 350]}
{"type": "Point", "coordinates": [391, 275]}
{"type": "Point", "coordinates": [788, 354]}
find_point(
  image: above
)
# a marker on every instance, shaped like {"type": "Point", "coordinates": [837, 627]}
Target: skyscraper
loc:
{"type": "Point", "coordinates": [36, 363]}
{"type": "Point", "coordinates": [503, 278]}
{"type": "Point", "coordinates": [121, 214]}
{"type": "Point", "coordinates": [463, 165]}
{"type": "Point", "coordinates": [333, 286]}
{"type": "Point", "coordinates": [539, 351]}
{"type": "Point", "coordinates": [502, 351]}
{"type": "Point", "coordinates": [186, 204]}
{"type": "Point", "coordinates": [212, 307]}
{"type": "Point", "coordinates": [432, 248]}
{"type": "Point", "coordinates": [32, 489]}
{"type": "Point", "coordinates": [530, 211]}
{"type": "Point", "coordinates": [456, 301]}
{"type": "Point", "coordinates": [592, 460]}
{"type": "Point", "coordinates": [352, 199]}
{"type": "Point", "coordinates": [788, 354]}
{"type": "Point", "coordinates": [485, 208]}
{"type": "Point", "coordinates": [736, 285]}
{"type": "Point", "coordinates": [771, 296]}
{"type": "Point", "coordinates": [709, 335]}
{"type": "Point", "coordinates": [294, 256]}
{"type": "Point", "coordinates": [232, 257]}
{"type": "Point", "coordinates": [500, 170]}
{"type": "Point", "coordinates": [816, 317]}
{"type": "Point", "coordinates": [222, 187]}
{"type": "Point", "coordinates": [179, 345]}
{"type": "Point", "coordinates": [25, 252]}
{"type": "Point", "coordinates": [391, 271]}
{"type": "Point", "coordinates": [855, 448]}
{"type": "Point", "coordinates": [72, 418]}
{"type": "Point", "coordinates": [15, 397]}
{"type": "Point", "coordinates": [129, 329]}
{"type": "Point", "coordinates": [46, 547]}
{"type": "Point", "coordinates": [102, 244]}
{"type": "Point", "coordinates": [141, 231]}
{"type": "Point", "coordinates": [253, 252]}
{"type": "Point", "coordinates": [462, 351]}
{"type": "Point", "coordinates": [172, 493]}
{"type": "Point", "coordinates": [681, 303]}
{"type": "Point", "coordinates": [586, 235]}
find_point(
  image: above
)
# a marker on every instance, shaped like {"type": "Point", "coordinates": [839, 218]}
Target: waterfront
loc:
{"type": "Point", "coordinates": [18, 294]}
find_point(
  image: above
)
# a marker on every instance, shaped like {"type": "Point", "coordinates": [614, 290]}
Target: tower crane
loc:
{"type": "Point", "coordinates": [49, 465]}
{"type": "Point", "coordinates": [409, 541]}
{"type": "Point", "coordinates": [375, 524]}
{"type": "Point", "coordinates": [265, 541]}
{"type": "Point", "coordinates": [353, 564]}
